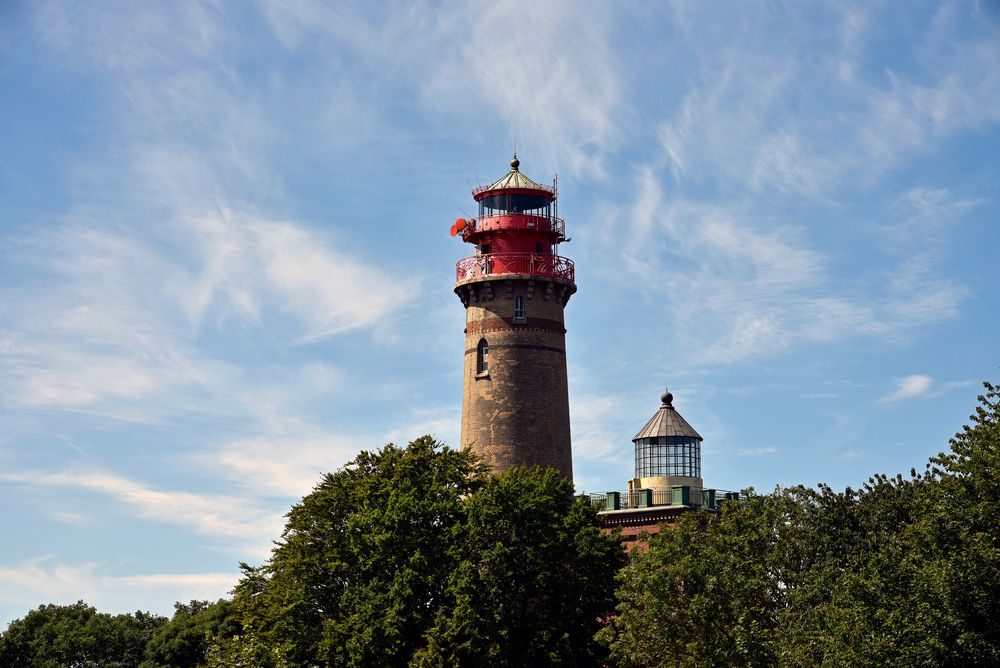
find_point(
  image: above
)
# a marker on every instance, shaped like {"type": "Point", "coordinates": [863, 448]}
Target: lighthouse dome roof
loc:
{"type": "Point", "coordinates": [667, 422]}
{"type": "Point", "coordinates": [513, 180]}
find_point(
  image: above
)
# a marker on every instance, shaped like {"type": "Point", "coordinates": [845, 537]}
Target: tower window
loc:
{"type": "Point", "coordinates": [519, 308]}
{"type": "Point", "coordinates": [482, 358]}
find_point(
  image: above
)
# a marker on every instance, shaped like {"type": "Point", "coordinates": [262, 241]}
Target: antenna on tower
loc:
{"type": "Point", "coordinates": [555, 189]}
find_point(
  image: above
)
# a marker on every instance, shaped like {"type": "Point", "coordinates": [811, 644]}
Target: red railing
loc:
{"type": "Point", "coordinates": [515, 221]}
{"type": "Point", "coordinates": [524, 264]}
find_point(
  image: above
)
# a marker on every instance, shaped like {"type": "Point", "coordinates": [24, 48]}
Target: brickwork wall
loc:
{"type": "Point", "coordinates": [518, 413]}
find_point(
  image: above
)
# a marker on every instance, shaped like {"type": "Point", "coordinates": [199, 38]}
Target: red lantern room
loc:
{"type": "Point", "coordinates": [517, 232]}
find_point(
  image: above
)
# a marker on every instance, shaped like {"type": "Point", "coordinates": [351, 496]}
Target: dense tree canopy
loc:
{"type": "Point", "coordinates": [904, 571]}
{"type": "Point", "coordinates": [534, 573]}
{"type": "Point", "coordinates": [55, 636]}
{"type": "Point", "coordinates": [415, 555]}
{"type": "Point", "coordinates": [185, 640]}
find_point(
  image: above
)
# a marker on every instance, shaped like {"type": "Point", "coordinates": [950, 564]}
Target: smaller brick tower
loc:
{"type": "Point", "coordinates": [667, 481]}
{"type": "Point", "coordinates": [515, 403]}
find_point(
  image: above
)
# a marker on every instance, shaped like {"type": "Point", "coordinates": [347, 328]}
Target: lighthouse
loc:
{"type": "Point", "coordinates": [515, 400]}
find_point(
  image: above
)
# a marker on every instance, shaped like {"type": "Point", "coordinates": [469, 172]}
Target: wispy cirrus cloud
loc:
{"type": "Point", "coordinates": [115, 318]}
{"type": "Point", "coordinates": [547, 70]}
{"type": "Point", "coordinates": [215, 515]}
{"type": "Point", "coordinates": [526, 67]}
{"type": "Point", "coordinates": [721, 224]}
{"type": "Point", "coordinates": [168, 241]}
{"type": "Point", "coordinates": [742, 281]}
{"type": "Point", "coordinates": [758, 117]}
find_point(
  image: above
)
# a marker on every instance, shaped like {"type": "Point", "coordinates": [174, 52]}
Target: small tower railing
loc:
{"type": "Point", "coordinates": [515, 221]}
{"type": "Point", "coordinates": [693, 497]}
{"type": "Point", "coordinates": [522, 264]}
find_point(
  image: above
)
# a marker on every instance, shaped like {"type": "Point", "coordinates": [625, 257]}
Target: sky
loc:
{"type": "Point", "coordinates": [225, 265]}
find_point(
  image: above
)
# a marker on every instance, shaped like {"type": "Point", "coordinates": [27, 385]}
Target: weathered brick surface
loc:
{"type": "Point", "coordinates": [519, 413]}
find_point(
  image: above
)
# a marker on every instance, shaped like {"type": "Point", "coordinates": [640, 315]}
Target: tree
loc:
{"type": "Point", "coordinates": [364, 560]}
{"type": "Point", "coordinates": [54, 636]}
{"type": "Point", "coordinates": [535, 577]}
{"type": "Point", "coordinates": [707, 591]}
{"type": "Point", "coordinates": [964, 530]}
{"type": "Point", "coordinates": [184, 641]}
{"type": "Point", "coordinates": [919, 584]}
{"type": "Point", "coordinates": [385, 561]}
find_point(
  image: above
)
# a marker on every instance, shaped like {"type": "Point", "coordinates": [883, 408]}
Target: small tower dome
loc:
{"type": "Point", "coordinates": [667, 451]}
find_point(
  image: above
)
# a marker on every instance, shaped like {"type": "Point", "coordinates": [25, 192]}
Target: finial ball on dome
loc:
{"type": "Point", "coordinates": [515, 163]}
{"type": "Point", "coordinates": [667, 398]}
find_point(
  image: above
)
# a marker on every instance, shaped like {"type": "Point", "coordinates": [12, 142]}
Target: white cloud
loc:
{"type": "Point", "coordinates": [756, 452]}
{"type": "Point", "coordinates": [258, 265]}
{"type": "Point", "coordinates": [740, 283]}
{"type": "Point", "coordinates": [214, 515]}
{"type": "Point", "coordinates": [910, 387]}
{"type": "Point", "coordinates": [754, 117]}
{"type": "Point", "coordinates": [593, 438]}
{"type": "Point", "coordinates": [286, 465]}
{"type": "Point", "coordinates": [452, 60]}
{"type": "Point", "coordinates": [28, 583]}
{"type": "Point", "coordinates": [73, 518]}
{"type": "Point", "coordinates": [112, 322]}
{"type": "Point", "coordinates": [548, 70]}
{"type": "Point", "coordinates": [441, 421]}
{"type": "Point", "coordinates": [922, 216]}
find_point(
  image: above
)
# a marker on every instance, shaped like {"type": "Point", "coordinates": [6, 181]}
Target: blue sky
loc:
{"type": "Point", "coordinates": [225, 264]}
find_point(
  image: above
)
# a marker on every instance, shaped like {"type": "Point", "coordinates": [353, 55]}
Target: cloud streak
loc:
{"type": "Point", "coordinates": [218, 516]}
{"type": "Point", "coordinates": [28, 583]}
{"type": "Point", "coordinates": [759, 119]}
{"type": "Point", "coordinates": [910, 387]}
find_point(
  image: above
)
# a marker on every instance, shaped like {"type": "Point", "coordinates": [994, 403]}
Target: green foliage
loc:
{"type": "Point", "coordinates": [410, 554]}
{"type": "Point", "coordinates": [53, 636]}
{"type": "Point", "coordinates": [364, 559]}
{"type": "Point", "coordinates": [707, 592]}
{"type": "Point", "coordinates": [184, 641]}
{"type": "Point", "coordinates": [904, 571]}
{"type": "Point", "coordinates": [535, 574]}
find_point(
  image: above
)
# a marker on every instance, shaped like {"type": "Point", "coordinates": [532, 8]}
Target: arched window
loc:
{"type": "Point", "coordinates": [482, 357]}
{"type": "Point", "coordinates": [519, 307]}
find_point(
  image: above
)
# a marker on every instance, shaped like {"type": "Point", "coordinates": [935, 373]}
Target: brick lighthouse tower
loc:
{"type": "Point", "coordinates": [515, 403]}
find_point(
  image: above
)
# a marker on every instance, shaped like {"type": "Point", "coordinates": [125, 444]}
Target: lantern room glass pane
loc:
{"type": "Point", "coordinates": [496, 205]}
{"type": "Point", "coordinates": [668, 456]}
